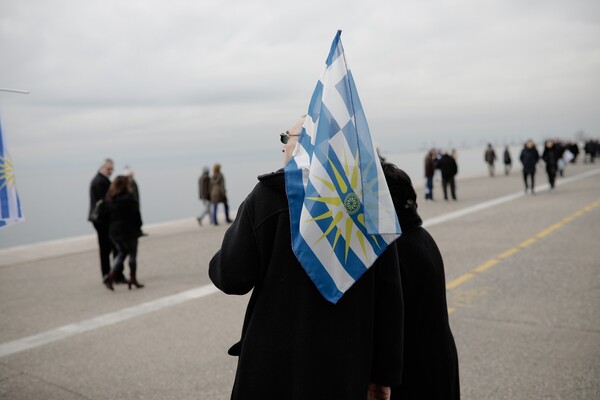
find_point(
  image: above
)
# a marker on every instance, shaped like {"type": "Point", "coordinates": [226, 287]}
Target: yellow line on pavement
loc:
{"type": "Point", "coordinates": [526, 243]}
{"type": "Point", "coordinates": [512, 251]}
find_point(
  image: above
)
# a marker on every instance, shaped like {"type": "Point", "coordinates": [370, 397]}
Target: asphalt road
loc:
{"type": "Point", "coordinates": [522, 272]}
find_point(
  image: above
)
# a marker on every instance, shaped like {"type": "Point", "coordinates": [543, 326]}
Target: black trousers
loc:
{"type": "Point", "coordinates": [532, 175]}
{"type": "Point", "coordinates": [551, 177]}
{"type": "Point", "coordinates": [106, 247]}
{"type": "Point", "coordinates": [449, 182]}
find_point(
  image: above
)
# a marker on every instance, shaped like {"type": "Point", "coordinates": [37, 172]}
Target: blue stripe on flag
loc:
{"type": "Point", "coordinates": [336, 49]}
{"type": "Point", "coordinates": [315, 102]}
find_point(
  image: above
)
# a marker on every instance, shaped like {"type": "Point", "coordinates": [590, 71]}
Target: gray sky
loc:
{"type": "Point", "coordinates": [162, 80]}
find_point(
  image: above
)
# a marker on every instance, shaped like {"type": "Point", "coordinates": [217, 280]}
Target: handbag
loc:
{"type": "Point", "coordinates": [98, 213]}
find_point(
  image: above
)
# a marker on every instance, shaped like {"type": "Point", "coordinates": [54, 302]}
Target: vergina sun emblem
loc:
{"type": "Point", "coordinates": [352, 203]}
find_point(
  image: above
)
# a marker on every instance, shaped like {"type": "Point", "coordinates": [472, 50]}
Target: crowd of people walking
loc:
{"type": "Point", "coordinates": [555, 156]}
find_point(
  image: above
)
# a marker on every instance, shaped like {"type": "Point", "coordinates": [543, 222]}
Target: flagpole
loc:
{"type": "Point", "coordinates": [14, 91]}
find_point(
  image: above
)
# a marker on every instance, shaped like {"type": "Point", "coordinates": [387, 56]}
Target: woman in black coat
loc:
{"type": "Point", "coordinates": [430, 368]}
{"type": "Point", "coordinates": [124, 228]}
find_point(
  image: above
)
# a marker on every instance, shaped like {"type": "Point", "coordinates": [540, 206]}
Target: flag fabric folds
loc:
{"type": "Point", "coordinates": [341, 211]}
{"type": "Point", "coordinates": [10, 206]}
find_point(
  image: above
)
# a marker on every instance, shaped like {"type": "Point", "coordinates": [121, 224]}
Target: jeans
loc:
{"type": "Point", "coordinates": [429, 188]}
{"type": "Point", "coordinates": [125, 248]}
{"type": "Point", "coordinates": [213, 214]}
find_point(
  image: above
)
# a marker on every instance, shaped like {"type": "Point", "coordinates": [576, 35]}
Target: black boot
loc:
{"type": "Point", "coordinates": [133, 281]}
{"type": "Point", "coordinates": [109, 279]}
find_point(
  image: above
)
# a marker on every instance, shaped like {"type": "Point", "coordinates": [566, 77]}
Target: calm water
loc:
{"type": "Point", "coordinates": [55, 200]}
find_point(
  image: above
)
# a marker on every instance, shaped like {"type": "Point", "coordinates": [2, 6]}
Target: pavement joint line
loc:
{"type": "Point", "coordinates": [526, 243]}
{"type": "Point", "coordinates": [65, 331]}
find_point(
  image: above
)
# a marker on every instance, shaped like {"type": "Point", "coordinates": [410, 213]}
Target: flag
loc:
{"type": "Point", "coordinates": [341, 212]}
{"type": "Point", "coordinates": [10, 206]}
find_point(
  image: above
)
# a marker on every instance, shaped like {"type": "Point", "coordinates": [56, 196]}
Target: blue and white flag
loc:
{"type": "Point", "coordinates": [10, 206]}
{"type": "Point", "coordinates": [342, 215]}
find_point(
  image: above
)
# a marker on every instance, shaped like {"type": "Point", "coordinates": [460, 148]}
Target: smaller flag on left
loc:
{"type": "Point", "coordinates": [10, 205]}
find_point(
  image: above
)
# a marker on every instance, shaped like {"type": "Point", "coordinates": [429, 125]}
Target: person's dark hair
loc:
{"type": "Point", "coordinates": [400, 185]}
{"type": "Point", "coordinates": [403, 195]}
{"type": "Point", "coordinates": [121, 184]}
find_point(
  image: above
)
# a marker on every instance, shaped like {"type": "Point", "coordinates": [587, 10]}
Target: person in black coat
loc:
{"type": "Point", "coordinates": [124, 228]}
{"type": "Point", "coordinates": [529, 158]}
{"type": "Point", "coordinates": [98, 189]}
{"type": "Point", "coordinates": [448, 167]}
{"type": "Point", "coordinates": [550, 156]}
{"type": "Point", "coordinates": [430, 369]}
{"type": "Point", "coordinates": [294, 343]}
{"type": "Point", "coordinates": [507, 161]}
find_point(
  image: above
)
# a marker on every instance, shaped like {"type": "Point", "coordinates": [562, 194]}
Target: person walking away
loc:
{"type": "Point", "coordinates": [98, 189]}
{"type": "Point", "coordinates": [128, 172]}
{"type": "Point", "coordinates": [218, 194]}
{"type": "Point", "coordinates": [507, 161]}
{"type": "Point", "coordinates": [430, 369]}
{"type": "Point", "coordinates": [448, 168]}
{"type": "Point", "coordinates": [295, 344]}
{"type": "Point", "coordinates": [551, 156]}
{"type": "Point", "coordinates": [204, 194]}
{"type": "Point", "coordinates": [490, 159]}
{"type": "Point", "coordinates": [529, 158]}
{"type": "Point", "coordinates": [124, 229]}
{"type": "Point", "coordinates": [430, 160]}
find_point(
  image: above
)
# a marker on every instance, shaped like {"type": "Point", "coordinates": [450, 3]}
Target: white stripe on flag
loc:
{"type": "Point", "coordinates": [324, 253]}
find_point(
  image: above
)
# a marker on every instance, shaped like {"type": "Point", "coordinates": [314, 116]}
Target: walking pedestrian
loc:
{"type": "Point", "coordinates": [125, 228]}
{"type": "Point", "coordinates": [218, 194]}
{"type": "Point", "coordinates": [507, 161]}
{"type": "Point", "coordinates": [204, 194]}
{"type": "Point", "coordinates": [430, 163]}
{"type": "Point", "coordinates": [490, 158]}
{"type": "Point", "coordinates": [551, 155]}
{"type": "Point", "coordinates": [98, 188]}
{"type": "Point", "coordinates": [449, 169]}
{"type": "Point", "coordinates": [529, 158]}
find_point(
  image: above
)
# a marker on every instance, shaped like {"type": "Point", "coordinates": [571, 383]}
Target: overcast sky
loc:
{"type": "Point", "coordinates": [151, 79]}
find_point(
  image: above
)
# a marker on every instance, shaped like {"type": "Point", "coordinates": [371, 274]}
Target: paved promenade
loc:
{"type": "Point", "coordinates": [523, 287]}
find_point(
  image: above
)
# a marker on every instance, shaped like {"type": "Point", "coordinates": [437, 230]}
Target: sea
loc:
{"type": "Point", "coordinates": [55, 200]}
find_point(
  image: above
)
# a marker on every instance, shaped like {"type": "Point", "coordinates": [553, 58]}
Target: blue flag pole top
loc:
{"type": "Point", "coordinates": [10, 205]}
{"type": "Point", "coordinates": [341, 211]}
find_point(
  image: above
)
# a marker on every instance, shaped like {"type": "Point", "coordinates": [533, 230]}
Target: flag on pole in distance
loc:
{"type": "Point", "coordinates": [341, 211]}
{"type": "Point", "coordinates": [10, 206]}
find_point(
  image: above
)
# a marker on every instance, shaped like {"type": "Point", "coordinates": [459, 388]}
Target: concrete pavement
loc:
{"type": "Point", "coordinates": [522, 277]}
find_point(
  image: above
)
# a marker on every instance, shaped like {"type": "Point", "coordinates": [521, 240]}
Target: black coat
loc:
{"type": "Point", "coordinates": [294, 343]}
{"type": "Point", "coordinates": [124, 219]}
{"type": "Point", "coordinates": [430, 358]}
{"type": "Point", "coordinates": [447, 166]}
{"type": "Point", "coordinates": [529, 158]}
{"type": "Point", "coordinates": [550, 157]}
{"type": "Point", "coordinates": [98, 189]}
